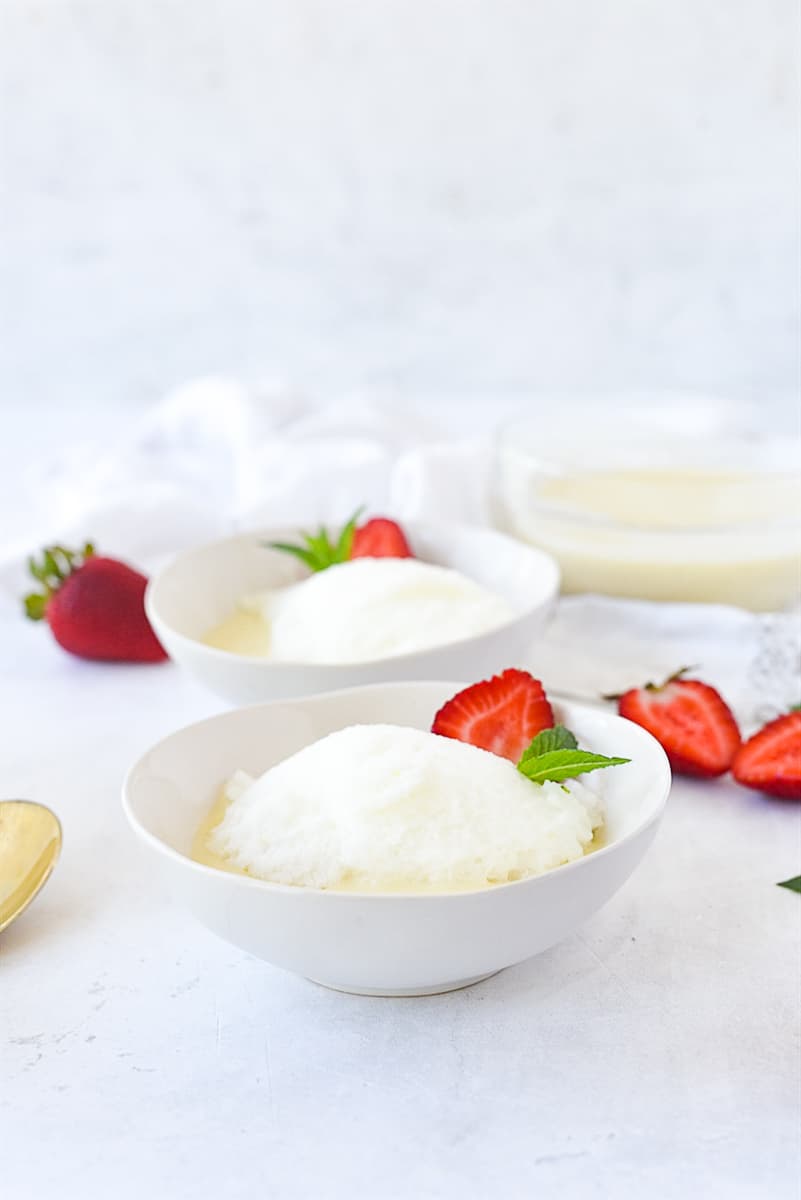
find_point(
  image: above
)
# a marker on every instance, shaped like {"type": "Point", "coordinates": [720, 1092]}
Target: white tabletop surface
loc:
{"type": "Point", "coordinates": [655, 1053]}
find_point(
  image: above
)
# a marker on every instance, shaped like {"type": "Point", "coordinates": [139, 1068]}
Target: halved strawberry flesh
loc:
{"type": "Point", "coordinates": [501, 714]}
{"type": "Point", "coordinates": [691, 721]}
{"type": "Point", "coordinates": [380, 538]}
{"type": "Point", "coordinates": [770, 761]}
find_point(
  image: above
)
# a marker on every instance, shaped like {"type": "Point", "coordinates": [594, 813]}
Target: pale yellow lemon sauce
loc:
{"type": "Point", "coordinates": [202, 852]}
{"type": "Point", "coordinates": [241, 633]}
{"type": "Point", "coordinates": [705, 536]}
{"type": "Point", "coordinates": [670, 499]}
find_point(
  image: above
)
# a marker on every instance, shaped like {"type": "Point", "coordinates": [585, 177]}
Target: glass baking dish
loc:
{"type": "Point", "coordinates": [669, 499]}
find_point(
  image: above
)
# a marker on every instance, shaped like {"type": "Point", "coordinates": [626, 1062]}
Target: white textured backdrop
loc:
{"type": "Point", "coordinates": [446, 195]}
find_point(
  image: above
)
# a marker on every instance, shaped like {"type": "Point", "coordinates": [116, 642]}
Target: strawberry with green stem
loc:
{"type": "Point", "coordinates": [94, 605]}
{"type": "Point", "coordinates": [377, 538]}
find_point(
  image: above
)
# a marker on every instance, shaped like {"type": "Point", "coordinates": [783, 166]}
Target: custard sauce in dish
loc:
{"type": "Point", "coordinates": [383, 808]}
{"type": "Point", "coordinates": [678, 498]}
{"type": "Point", "coordinates": [361, 611]}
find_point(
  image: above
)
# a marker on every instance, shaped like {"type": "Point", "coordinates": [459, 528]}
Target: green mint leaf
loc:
{"type": "Point", "coordinates": [795, 708]}
{"type": "Point", "coordinates": [557, 738]}
{"type": "Point", "coordinates": [557, 765]}
{"type": "Point", "coordinates": [794, 885]}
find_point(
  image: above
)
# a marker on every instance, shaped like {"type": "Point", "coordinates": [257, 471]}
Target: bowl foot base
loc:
{"type": "Point", "coordinates": [435, 990]}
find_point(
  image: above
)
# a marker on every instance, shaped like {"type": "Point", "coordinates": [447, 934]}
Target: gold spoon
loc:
{"type": "Point", "coordinates": [30, 843]}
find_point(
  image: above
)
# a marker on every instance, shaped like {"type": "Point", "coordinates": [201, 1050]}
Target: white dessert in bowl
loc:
{"type": "Point", "coordinates": [382, 942]}
{"type": "Point", "coordinates": [361, 611]}
{"type": "Point", "coordinates": [499, 585]}
{"type": "Point", "coordinates": [402, 810]}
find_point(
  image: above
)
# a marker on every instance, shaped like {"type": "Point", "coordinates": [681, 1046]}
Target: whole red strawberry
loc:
{"type": "Point", "coordinates": [502, 714]}
{"type": "Point", "coordinates": [377, 538]}
{"type": "Point", "coordinates": [94, 606]}
{"type": "Point", "coordinates": [770, 761]}
{"type": "Point", "coordinates": [691, 721]}
{"type": "Point", "coordinates": [380, 538]}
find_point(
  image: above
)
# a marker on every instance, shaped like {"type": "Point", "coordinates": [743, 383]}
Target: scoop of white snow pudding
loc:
{"type": "Point", "coordinates": [385, 808]}
{"type": "Point", "coordinates": [375, 608]}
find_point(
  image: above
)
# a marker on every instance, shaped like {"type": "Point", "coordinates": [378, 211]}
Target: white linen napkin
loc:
{"type": "Point", "coordinates": [215, 457]}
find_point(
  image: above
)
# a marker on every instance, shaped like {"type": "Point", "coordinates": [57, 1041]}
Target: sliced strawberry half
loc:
{"type": "Point", "coordinates": [691, 721]}
{"type": "Point", "coordinates": [770, 761]}
{"type": "Point", "coordinates": [380, 538]}
{"type": "Point", "coordinates": [501, 714]}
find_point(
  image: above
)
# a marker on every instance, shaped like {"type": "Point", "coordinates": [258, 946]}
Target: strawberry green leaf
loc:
{"type": "Point", "coordinates": [56, 565]}
{"type": "Point", "coordinates": [51, 567]}
{"type": "Point", "coordinates": [306, 556]}
{"type": "Point", "coordinates": [318, 543]}
{"type": "Point", "coordinates": [557, 738]}
{"type": "Point", "coordinates": [36, 570]}
{"type": "Point", "coordinates": [35, 604]}
{"type": "Point", "coordinates": [317, 551]}
{"type": "Point", "coordinates": [794, 885]}
{"type": "Point", "coordinates": [651, 686]}
{"type": "Point", "coordinates": [345, 542]}
{"type": "Point", "coordinates": [558, 765]}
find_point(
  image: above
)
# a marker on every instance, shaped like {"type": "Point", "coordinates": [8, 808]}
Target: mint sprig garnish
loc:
{"type": "Point", "coordinates": [554, 755]}
{"type": "Point", "coordinates": [317, 551]}
{"type": "Point", "coordinates": [557, 738]}
{"type": "Point", "coordinates": [559, 765]}
{"type": "Point", "coordinates": [794, 885]}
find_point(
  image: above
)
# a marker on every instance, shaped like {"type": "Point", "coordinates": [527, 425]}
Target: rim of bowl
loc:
{"type": "Point", "coordinates": [549, 598]}
{"type": "Point", "coordinates": [301, 889]}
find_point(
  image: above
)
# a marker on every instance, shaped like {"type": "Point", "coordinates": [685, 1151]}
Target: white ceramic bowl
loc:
{"type": "Point", "coordinates": [200, 588]}
{"type": "Point", "coordinates": [393, 944]}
